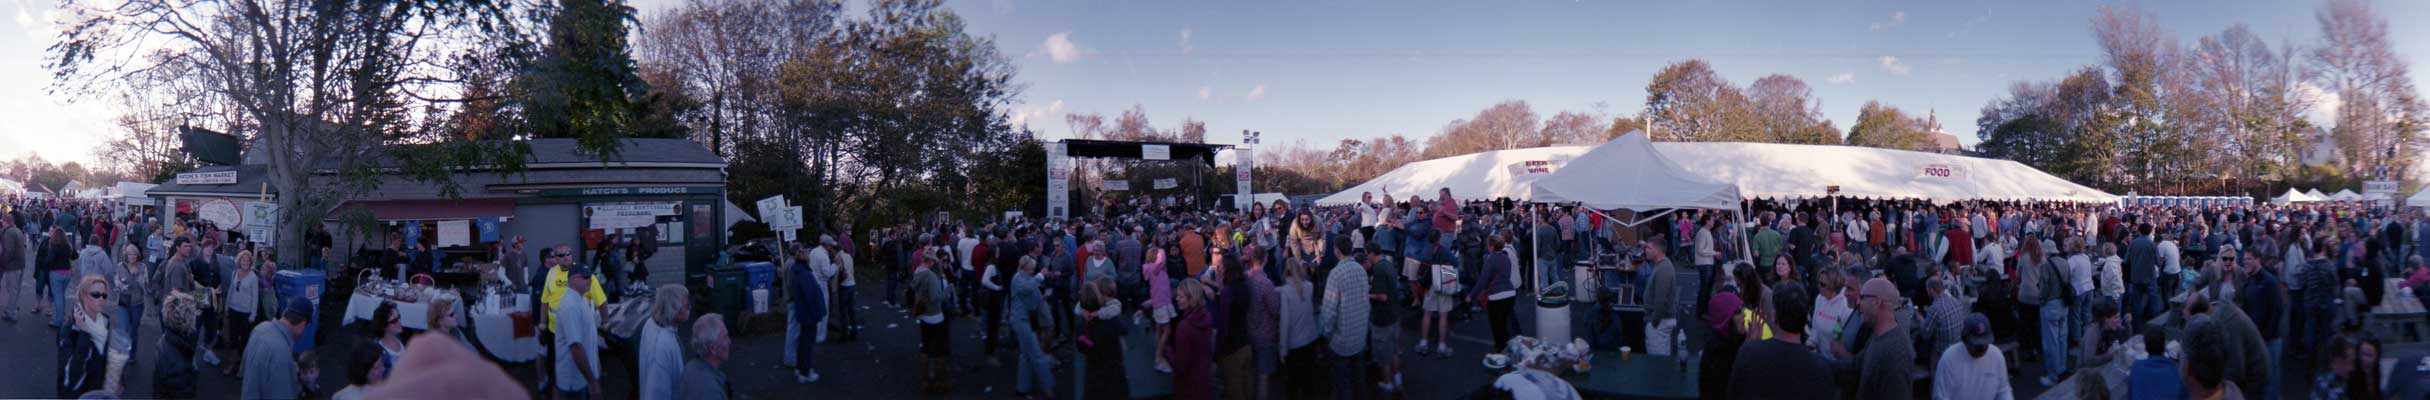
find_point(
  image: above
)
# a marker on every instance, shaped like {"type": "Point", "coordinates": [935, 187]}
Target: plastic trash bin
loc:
{"type": "Point", "coordinates": [306, 284]}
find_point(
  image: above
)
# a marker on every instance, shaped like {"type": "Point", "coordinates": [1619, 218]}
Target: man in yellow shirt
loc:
{"type": "Point", "coordinates": [559, 262]}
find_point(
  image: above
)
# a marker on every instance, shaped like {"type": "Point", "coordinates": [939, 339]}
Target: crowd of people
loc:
{"type": "Point", "coordinates": [1821, 298]}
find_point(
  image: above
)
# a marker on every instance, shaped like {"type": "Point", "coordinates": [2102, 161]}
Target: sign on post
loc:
{"type": "Point", "coordinates": [260, 214]}
{"type": "Point", "coordinates": [1117, 185]}
{"type": "Point", "coordinates": [2379, 187]}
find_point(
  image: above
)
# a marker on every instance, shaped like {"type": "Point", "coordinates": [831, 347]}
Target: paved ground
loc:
{"type": "Point", "coordinates": [882, 364]}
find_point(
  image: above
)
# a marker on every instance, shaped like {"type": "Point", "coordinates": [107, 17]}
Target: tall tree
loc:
{"type": "Point", "coordinates": [724, 55]}
{"type": "Point", "coordinates": [1688, 101]}
{"type": "Point", "coordinates": [1622, 126]}
{"type": "Point", "coordinates": [1785, 110]}
{"type": "Point", "coordinates": [1883, 126]}
{"type": "Point", "coordinates": [585, 79]}
{"type": "Point", "coordinates": [321, 84]}
{"type": "Point", "coordinates": [1506, 125]}
{"type": "Point", "coordinates": [904, 98]}
{"type": "Point", "coordinates": [2380, 114]}
{"type": "Point", "coordinates": [1571, 128]}
{"type": "Point", "coordinates": [2137, 52]}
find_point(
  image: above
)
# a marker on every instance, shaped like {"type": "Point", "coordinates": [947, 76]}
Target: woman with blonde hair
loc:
{"type": "Point", "coordinates": [443, 318]}
{"type": "Point", "coordinates": [244, 299]}
{"type": "Point", "coordinates": [83, 365]}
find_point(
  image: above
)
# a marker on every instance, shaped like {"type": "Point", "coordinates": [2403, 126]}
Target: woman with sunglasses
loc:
{"type": "Point", "coordinates": [389, 329]}
{"type": "Point", "coordinates": [81, 358]}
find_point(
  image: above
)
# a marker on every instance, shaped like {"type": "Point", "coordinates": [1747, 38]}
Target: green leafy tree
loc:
{"type": "Point", "coordinates": [1883, 126]}
{"type": "Point", "coordinates": [1688, 101]}
{"type": "Point", "coordinates": [585, 79]}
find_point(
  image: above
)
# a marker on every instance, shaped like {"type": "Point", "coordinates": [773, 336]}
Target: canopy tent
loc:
{"type": "Point", "coordinates": [2419, 199]}
{"type": "Point", "coordinates": [11, 187]}
{"type": "Point", "coordinates": [2316, 195]}
{"type": "Point", "coordinates": [132, 193]}
{"type": "Point", "coordinates": [1486, 175]}
{"type": "Point", "coordinates": [2293, 196]}
{"type": "Point", "coordinates": [2346, 195]}
{"type": "Point", "coordinates": [1629, 173]}
{"type": "Point", "coordinates": [1797, 170]}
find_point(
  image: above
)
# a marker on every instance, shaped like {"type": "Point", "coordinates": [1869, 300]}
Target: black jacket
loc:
{"type": "Point", "coordinates": [173, 367]}
{"type": "Point", "coordinates": [81, 364]}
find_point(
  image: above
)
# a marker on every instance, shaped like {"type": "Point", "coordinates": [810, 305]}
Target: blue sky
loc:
{"type": "Point", "coordinates": [1325, 71]}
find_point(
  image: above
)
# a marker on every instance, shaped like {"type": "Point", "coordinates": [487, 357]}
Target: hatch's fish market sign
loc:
{"type": "Point", "coordinates": [207, 178]}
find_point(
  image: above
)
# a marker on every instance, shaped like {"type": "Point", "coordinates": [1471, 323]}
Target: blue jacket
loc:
{"type": "Point", "coordinates": [2154, 378]}
{"type": "Point", "coordinates": [809, 300]}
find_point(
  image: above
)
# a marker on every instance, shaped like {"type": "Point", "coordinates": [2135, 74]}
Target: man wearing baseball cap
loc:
{"type": "Point", "coordinates": [1973, 368]}
{"type": "Point", "coordinates": [577, 337]}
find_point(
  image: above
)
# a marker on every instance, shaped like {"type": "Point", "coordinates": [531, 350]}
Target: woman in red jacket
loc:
{"type": "Point", "coordinates": [1192, 349]}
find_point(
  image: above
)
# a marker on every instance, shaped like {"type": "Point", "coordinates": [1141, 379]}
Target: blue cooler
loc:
{"type": "Point", "coordinates": [307, 284]}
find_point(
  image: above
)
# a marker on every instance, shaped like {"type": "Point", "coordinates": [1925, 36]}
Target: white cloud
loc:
{"type": "Point", "coordinates": [1025, 116]}
{"type": "Point", "coordinates": [1060, 48]}
{"type": "Point", "coordinates": [2324, 103]}
{"type": "Point", "coordinates": [1843, 77]}
{"type": "Point", "coordinates": [1891, 63]}
{"type": "Point", "coordinates": [1258, 92]}
{"type": "Point", "coordinates": [1186, 48]}
{"type": "Point", "coordinates": [1206, 92]}
{"type": "Point", "coordinates": [1896, 18]}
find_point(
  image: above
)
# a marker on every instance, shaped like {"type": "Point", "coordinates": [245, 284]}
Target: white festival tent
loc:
{"type": "Point", "coordinates": [2346, 195]}
{"type": "Point", "coordinates": [1759, 170]}
{"type": "Point", "coordinates": [2419, 199]}
{"type": "Point", "coordinates": [1485, 175]}
{"type": "Point", "coordinates": [2293, 196]}
{"type": "Point", "coordinates": [132, 193]}
{"type": "Point", "coordinates": [2316, 195]}
{"type": "Point", "coordinates": [1629, 173]}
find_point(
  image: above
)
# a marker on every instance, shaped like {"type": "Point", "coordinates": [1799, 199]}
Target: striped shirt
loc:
{"type": "Point", "coordinates": [1343, 317]}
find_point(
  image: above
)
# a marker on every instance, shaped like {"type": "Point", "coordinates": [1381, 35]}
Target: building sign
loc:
{"type": "Point", "coordinates": [207, 178]}
{"type": "Point", "coordinates": [1167, 183]}
{"type": "Point", "coordinates": [1117, 185]}
{"type": "Point", "coordinates": [624, 191]}
{"type": "Point", "coordinates": [2379, 187]}
{"type": "Point", "coordinates": [623, 216]}
{"type": "Point", "coordinates": [1155, 152]}
{"type": "Point", "coordinates": [1941, 171]}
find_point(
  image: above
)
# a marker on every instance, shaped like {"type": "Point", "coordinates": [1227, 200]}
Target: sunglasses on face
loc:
{"type": "Point", "coordinates": [98, 295]}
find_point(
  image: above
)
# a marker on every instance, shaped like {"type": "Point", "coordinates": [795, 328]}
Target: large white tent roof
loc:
{"type": "Point", "coordinates": [1759, 170]}
{"type": "Point", "coordinates": [1486, 175]}
{"type": "Point", "coordinates": [1630, 173]}
{"type": "Point", "coordinates": [2346, 195]}
{"type": "Point", "coordinates": [2419, 199]}
{"type": "Point", "coordinates": [1795, 170]}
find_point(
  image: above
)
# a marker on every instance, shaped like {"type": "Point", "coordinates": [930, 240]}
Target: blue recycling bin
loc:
{"type": "Point", "coordinates": [760, 274]}
{"type": "Point", "coordinates": [309, 285]}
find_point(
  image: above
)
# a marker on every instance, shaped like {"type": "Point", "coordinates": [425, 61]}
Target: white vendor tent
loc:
{"type": "Point", "coordinates": [11, 187]}
{"type": "Point", "coordinates": [1772, 170]}
{"type": "Point", "coordinates": [2293, 196]}
{"type": "Point", "coordinates": [2419, 199]}
{"type": "Point", "coordinates": [1629, 173]}
{"type": "Point", "coordinates": [2346, 195]}
{"type": "Point", "coordinates": [1486, 175]}
{"type": "Point", "coordinates": [132, 193]}
{"type": "Point", "coordinates": [2316, 195]}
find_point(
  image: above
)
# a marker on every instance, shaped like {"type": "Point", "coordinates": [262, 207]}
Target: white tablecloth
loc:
{"type": "Point", "coordinates": [413, 315]}
{"type": "Point", "coordinates": [495, 328]}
